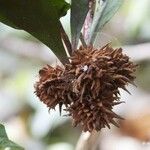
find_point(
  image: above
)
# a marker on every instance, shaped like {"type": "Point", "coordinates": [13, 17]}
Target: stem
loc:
{"type": "Point", "coordinates": [88, 141]}
{"type": "Point", "coordinates": [88, 21]}
{"type": "Point", "coordinates": [95, 25]}
{"type": "Point", "coordinates": [82, 40]}
{"type": "Point", "coordinates": [66, 40]}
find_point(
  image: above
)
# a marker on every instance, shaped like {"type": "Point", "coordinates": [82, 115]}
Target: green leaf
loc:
{"type": "Point", "coordinates": [5, 142]}
{"type": "Point", "coordinates": [40, 18]}
{"type": "Point", "coordinates": [104, 12]}
{"type": "Point", "coordinates": [3, 133]}
{"type": "Point", "coordinates": [79, 10]}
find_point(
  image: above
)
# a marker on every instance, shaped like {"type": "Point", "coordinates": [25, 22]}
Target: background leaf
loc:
{"type": "Point", "coordinates": [38, 17]}
{"type": "Point", "coordinates": [3, 132]}
{"type": "Point", "coordinates": [105, 10]}
{"type": "Point", "coordinates": [79, 10]}
{"type": "Point", "coordinates": [5, 142]}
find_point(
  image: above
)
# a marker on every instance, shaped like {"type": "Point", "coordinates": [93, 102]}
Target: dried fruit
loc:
{"type": "Point", "coordinates": [98, 76]}
{"type": "Point", "coordinates": [51, 88]}
{"type": "Point", "coordinates": [88, 86]}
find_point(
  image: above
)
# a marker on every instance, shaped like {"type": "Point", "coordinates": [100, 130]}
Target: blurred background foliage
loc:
{"type": "Point", "coordinates": [29, 123]}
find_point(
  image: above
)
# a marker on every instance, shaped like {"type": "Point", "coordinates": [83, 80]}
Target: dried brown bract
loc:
{"type": "Point", "coordinates": [88, 86]}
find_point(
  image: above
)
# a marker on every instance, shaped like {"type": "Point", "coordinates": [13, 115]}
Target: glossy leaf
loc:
{"type": "Point", "coordinates": [5, 142]}
{"type": "Point", "coordinates": [40, 18]}
{"type": "Point", "coordinates": [105, 10]}
{"type": "Point", "coordinates": [79, 10]}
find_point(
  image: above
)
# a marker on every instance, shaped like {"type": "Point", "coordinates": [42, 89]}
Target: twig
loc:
{"type": "Point", "coordinates": [66, 40]}
{"type": "Point", "coordinates": [88, 141]}
{"type": "Point", "coordinates": [82, 40]}
{"type": "Point", "coordinates": [88, 21]}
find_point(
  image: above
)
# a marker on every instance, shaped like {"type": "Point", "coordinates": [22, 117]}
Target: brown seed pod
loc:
{"type": "Point", "coordinates": [52, 87]}
{"type": "Point", "coordinates": [94, 114]}
{"type": "Point", "coordinates": [88, 86]}
{"type": "Point", "coordinates": [98, 75]}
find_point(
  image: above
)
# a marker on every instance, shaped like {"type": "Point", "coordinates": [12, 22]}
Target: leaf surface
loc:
{"type": "Point", "coordinates": [79, 10]}
{"type": "Point", "coordinates": [105, 10]}
{"type": "Point", "coordinates": [40, 18]}
{"type": "Point", "coordinates": [5, 142]}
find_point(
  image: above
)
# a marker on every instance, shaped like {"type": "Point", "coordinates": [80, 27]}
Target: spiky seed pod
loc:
{"type": "Point", "coordinates": [94, 115]}
{"type": "Point", "coordinates": [88, 86]}
{"type": "Point", "coordinates": [51, 87]}
{"type": "Point", "coordinates": [98, 75]}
